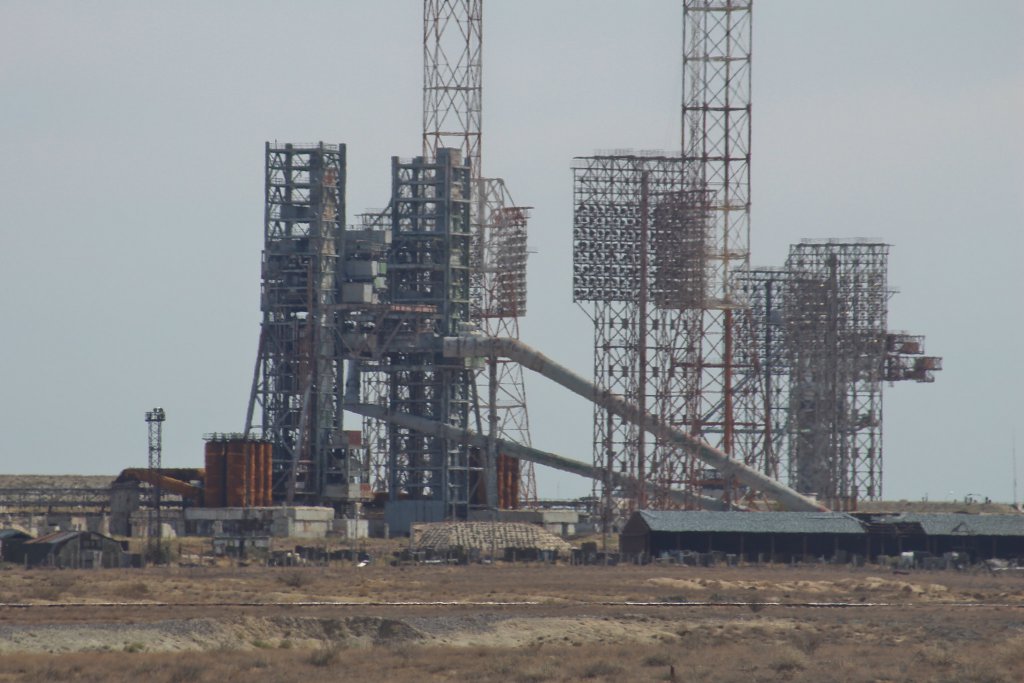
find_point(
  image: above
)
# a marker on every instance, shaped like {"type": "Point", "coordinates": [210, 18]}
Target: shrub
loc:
{"type": "Point", "coordinates": [325, 655]}
{"type": "Point", "coordinates": [657, 660]}
{"type": "Point", "coordinates": [295, 579]}
{"type": "Point", "coordinates": [600, 669]}
{"type": "Point", "coordinates": [788, 660]}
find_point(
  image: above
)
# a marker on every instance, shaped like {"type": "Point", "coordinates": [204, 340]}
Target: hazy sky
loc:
{"type": "Point", "coordinates": [132, 186]}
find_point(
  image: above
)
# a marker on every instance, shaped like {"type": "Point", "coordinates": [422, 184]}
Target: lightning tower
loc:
{"type": "Point", "coordinates": [716, 156]}
{"type": "Point", "coordinates": [452, 118]}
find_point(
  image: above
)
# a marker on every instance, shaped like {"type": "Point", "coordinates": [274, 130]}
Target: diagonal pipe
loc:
{"type": "Point", "coordinates": [474, 346]}
{"type": "Point", "coordinates": [521, 452]}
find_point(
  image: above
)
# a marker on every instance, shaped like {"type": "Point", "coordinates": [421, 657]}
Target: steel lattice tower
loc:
{"type": "Point", "coordinates": [452, 78]}
{"type": "Point", "coordinates": [452, 118]}
{"type": "Point", "coordinates": [716, 153]}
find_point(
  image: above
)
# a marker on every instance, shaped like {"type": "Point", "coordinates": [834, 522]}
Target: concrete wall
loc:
{"type": "Point", "coordinates": [281, 522]}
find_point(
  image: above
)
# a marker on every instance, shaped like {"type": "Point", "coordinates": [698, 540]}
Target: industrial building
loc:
{"type": "Point", "coordinates": [65, 550]}
{"type": "Point", "coordinates": [716, 385]}
{"type": "Point", "coordinates": [832, 536]}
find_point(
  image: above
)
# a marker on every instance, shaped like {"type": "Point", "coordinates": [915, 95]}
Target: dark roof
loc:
{"type": "Point", "coordinates": [751, 522]}
{"type": "Point", "coordinates": [13, 533]}
{"type": "Point", "coordinates": [958, 524]}
{"type": "Point", "coordinates": [56, 537]}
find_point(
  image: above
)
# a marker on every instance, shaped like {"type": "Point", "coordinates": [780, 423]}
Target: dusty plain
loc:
{"type": "Point", "coordinates": [526, 623]}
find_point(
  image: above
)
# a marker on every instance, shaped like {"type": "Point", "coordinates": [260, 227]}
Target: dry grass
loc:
{"type": "Point", "coordinates": [918, 640]}
{"type": "Point", "coordinates": [716, 661]}
{"type": "Point", "coordinates": [554, 584]}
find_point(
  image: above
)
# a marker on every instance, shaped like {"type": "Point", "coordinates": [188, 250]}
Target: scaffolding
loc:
{"type": "Point", "coordinates": [836, 314]}
{"type": "Point", "coordinates": [299, 365]}
{"type": "Point", "coordinates": [428, 274]}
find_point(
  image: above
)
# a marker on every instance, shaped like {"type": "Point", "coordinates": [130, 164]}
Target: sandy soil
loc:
{"type": "Point", "coordinates": [566, 623]}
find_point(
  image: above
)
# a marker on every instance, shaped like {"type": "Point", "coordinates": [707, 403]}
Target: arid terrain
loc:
{"type": "Point", "coordinates": [510, 623]}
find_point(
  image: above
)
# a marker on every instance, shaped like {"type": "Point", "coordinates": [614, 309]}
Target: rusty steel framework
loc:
{"type": "Point", "coordinates": [716, 156]}
{"type": "Point", "coordinates": [639, 236]}
{"type": "Point", "coordinates": [452, 118]}
{"type": "Point", "coordinates": [452, 78]}
{"type": "Point", "coordinates": [294, 401]}
{"type": "Point", "coordinates": [657, 240]}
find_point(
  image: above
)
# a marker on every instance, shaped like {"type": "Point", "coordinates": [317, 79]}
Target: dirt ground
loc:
{"type": "Point", "coordinates": [528, 623]}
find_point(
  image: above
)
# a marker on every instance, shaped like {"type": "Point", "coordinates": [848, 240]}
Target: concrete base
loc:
{"type": "Point", "coordinates": [351, 528]}
{"type": "Point", "coordinates": [142, 522]}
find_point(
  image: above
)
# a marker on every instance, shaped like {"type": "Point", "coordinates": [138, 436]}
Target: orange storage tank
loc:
{"type": "Point", "coordinates": [213, 484]}
{"type": "Point", "coordinates": [234, 488]}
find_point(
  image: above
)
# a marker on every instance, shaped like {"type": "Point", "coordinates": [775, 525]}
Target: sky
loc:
{"type": "Point", "coordinates": [132, 187]}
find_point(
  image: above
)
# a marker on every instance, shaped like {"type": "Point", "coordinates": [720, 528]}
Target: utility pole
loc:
{"type": "Point", "coordinates": [155, 421]}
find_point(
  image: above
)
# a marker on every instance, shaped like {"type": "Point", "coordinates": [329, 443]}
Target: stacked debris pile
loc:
{"type": "Point", "coordinates": [470, 540]}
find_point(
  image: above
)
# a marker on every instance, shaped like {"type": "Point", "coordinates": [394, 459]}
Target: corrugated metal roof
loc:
{"type": "Point", "coordinates": [959, 524]}
{"type": "Point", "coordinates": [56, 537]}
{"type": "Point", "coordinates": [751, 522]}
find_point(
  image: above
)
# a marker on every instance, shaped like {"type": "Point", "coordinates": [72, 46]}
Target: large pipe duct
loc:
{"type": "Point", "coordinates": [446, 431]}
{"type": "Point", "coordinates": [514, 350]}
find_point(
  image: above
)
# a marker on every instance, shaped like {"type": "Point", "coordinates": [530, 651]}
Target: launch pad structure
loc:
{"type": "Point", "coordinates": [712, 378]}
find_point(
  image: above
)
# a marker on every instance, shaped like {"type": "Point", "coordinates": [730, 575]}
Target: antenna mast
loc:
{"type": "Point", "coordinates": [155, 422]}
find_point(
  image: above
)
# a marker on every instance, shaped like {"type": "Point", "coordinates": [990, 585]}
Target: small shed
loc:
{"type": "Point", "coordinates": [769, 536]}
{"type": "Point", "coordinates": [73, 550]}
{"type": "Point", "coordinates": [11, 541]}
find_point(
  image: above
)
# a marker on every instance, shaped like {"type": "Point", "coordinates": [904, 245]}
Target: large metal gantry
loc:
{"type": "Point", "coordinates": [294, 401]}
{"type": "Point", "coordinates": [449, 252]}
